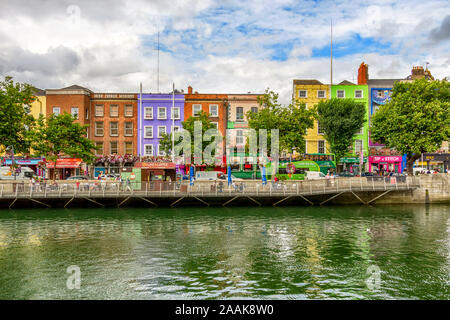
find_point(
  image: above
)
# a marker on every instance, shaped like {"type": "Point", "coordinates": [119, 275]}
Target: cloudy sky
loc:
{"type": "Point", "coordinates": [218, 46]}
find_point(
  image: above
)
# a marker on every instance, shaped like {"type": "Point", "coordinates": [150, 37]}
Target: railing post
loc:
{"type": "Point", "coordinates": [297, 187]}
{"type": "Point", "coordinates": [373, 184]}
{"type": "Point", "coordinates": [351, 184]}
{"type": "Point", "coordinates": [360, 180]}
{"type": "Point", "coordinates": [257, 189]}
{"type": "Point", "coordinates": [174, 187]}
{"type": "Point", "coordinates": [1, 195]}
{"type": "Point", "coordinates": [146, 188]}
{"type": "Point", "coordinates": [407, 183]}
{"type": "Point", "coordinates": [384, 180]}
{"type": "Point", "coordinates": [270, 189]}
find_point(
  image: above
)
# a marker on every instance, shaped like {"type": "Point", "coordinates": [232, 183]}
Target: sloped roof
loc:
{"type": "Point", "coordinates": [345, 82]}
{"type": "Point", "coordinates": [307, 81]}
{"type": "Point", "coordinates": [75, 87]}
{"type": "Point", "coordinates": [38, 92]}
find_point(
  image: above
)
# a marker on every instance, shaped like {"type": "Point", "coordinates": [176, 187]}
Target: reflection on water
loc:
{"type": "Point", "coordinates": [294, 253]}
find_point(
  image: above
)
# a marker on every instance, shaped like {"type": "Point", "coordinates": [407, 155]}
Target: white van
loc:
{"type": "Point", "coordinates": [25, 173]}
{"type": "Point", "coordinates": [209, 175]}
{"type": "Point", "coordinates": [314, 175]}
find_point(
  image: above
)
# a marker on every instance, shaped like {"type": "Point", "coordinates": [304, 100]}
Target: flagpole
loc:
{"type": "Point", "coordinates": [173, 122]}
{"type": "Point", "coordinates": [140, 122]}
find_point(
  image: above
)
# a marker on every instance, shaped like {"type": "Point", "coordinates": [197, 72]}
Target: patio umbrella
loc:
{"type": "Point", "coordinates": [263, 175]}
{"type": "Point", "coordinates": [191, 176]}
{"type": "Point", "coordinates": [230, 181]}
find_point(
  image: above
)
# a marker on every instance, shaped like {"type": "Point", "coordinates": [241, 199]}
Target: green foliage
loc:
{"type": "Point", "coordinates": [60, 135]}
{"type": "Point", "coordinates": [340, 120]}
{"type": "Point", "coordinates": [416, 120]}
{"type": "Point", "coordinates": [165, 143]}
{"type": "Point", "coordinates": [16, 122]}
{"type": "Point", "coordinates": [291, 121]}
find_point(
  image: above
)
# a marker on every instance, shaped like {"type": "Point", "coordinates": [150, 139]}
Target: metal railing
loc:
{"type": "Point", "coordinates": [95, 188]}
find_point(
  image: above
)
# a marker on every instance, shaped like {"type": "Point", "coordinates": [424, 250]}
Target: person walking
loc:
{"type": "Point", "coordinates": [128, 187]}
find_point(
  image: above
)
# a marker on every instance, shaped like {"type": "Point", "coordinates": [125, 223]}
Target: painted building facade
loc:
{"type": "Point", "coordinates": [215, 105]}
{"type": "Point", "coordinates": [237, 124]}
{"type": "Point", "coordinates": [39, 106]}
{"type": "Point", "coordinates": [311, 92]}
{"type": "Point", "coordinates": [156, 116]}
{"type": "Point", "coordinates": [359, 93]}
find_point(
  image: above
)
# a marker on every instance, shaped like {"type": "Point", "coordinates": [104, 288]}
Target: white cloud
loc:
{"type": "Point", "coordinates": [227, 46]}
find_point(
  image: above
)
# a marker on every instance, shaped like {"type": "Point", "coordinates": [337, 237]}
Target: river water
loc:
{"type": "Point", "coordinates": [345, 252]}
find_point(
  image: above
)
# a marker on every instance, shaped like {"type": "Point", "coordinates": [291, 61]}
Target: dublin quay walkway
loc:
{"type": "Point", "coordinates": [362, 190]}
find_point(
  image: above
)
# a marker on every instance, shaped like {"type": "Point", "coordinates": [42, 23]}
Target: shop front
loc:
{"type": "Point", "coordinates": [32, 163]}
{"type": "Point", "coordinates": [352, 164]}
{"type": "Point", "coordinates": [434, 161]}
{"type": "Point", "coordinates": [385, 163]}
{"type": "Point", "coordinates": [64, 168]}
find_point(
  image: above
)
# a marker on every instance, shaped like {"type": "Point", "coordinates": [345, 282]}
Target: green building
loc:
{"type": "Point", "coordinates": [359, 93]}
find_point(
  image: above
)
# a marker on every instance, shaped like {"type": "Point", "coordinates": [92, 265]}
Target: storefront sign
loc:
{"type": "Point", "coordinates": [351, 160]}
{"type": "Point", "coordinates": [64, 163]}
{"type": "Point", "coordinates": [155, 165]}
{"type": "Point", "coordinates": [22, 162]}
{"type": "Point", "coordinates": [388, 159]}
{"type": "Point", "coordinates": [436, 157]}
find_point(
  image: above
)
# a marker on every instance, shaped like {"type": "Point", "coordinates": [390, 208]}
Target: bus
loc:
{"type": "Point", "coordinates": [326, 161]}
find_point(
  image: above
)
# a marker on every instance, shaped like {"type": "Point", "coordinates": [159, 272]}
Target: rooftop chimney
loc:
{"type": "Point", "coordinates": [363, 73]}
{"type": "Point", "coordinates": [189, 90]}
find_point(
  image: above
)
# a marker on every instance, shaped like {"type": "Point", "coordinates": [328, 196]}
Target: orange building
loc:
{"type": "Point", "coordinates": [213, 104]}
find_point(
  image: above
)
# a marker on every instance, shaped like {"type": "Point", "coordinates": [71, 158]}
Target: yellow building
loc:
{"type": "Point", "coordinates": [311, 92]}
{"type": "Point", "coordinates": [39, 105]}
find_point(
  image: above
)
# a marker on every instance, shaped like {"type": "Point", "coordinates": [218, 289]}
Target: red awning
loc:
{"type": "Point", "coordinates": [64, 163]}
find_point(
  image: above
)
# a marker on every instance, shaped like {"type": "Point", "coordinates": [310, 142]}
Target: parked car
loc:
{"type": "Point", "coordinates": [367, 174]}
{"type": "Point", "coordinates": [78, 178]}
{"type": "Point", "coordinates": [346, 174]}
{"type": "Point", "coordinates": [314, 175]}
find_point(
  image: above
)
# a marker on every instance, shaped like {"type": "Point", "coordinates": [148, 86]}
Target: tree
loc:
{"type": "Point", "coordinates": [165, 143]}
{"type": "Point", "coordinates": [291, 121]}
{"type": "Point", "coordinates": [416, 120]}
{"type": "Point", "coordinates": [340, 119]}
{"type": "Point", "coordinates": [16, 121]}
{"type": "Point", "coordinates": [61, 135]}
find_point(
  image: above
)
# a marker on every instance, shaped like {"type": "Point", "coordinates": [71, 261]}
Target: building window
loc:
{"type": "Point", "coordinates": [302, 94]}
{"type": "Point", "coordinates": [148, 131]}
{"type": "Point", "coordinates": [87, 113]}
{"type": "Point", "coordinates": [99, 110]}
{"type": "Point", "coordinates": [128, 110]}
{"type": "Point", "coordinates": [358, 93]}
{"type": "Point", "coordinates": [87, 132]}
{"type": "Point", "coordinates": [176, 113]}
{"type": "Point", "coordinates": [99, 145]}
{"type": "Point", "coordinates": [320, 94]}
{"type": "Point", "coordinates": [148, 150]}
{"type": "Point", "coordinates": [128, 147]}
{"type": "Point", "coordinates": [360, 131]}
{"type": "Point", "coordinates": [213, 110]}
{"type": "Point", "coordinates": [162, 113]}
{"type": "Point", "coordinates": [254, 110]}
{"type": "Point", "coordinates": [56, 111]}
{"type": "Point", "coordinates": [161, 131]}
{"type": "Point", "coordinates": [321, 146]}
{"type": "Point", "coordinates": [358, 146]}
{"type": "Point", "coordinates": [340, 93]}
{"type": "Point", "coordinates": [113, 147]}
{"type": "Point", "coordinates": [196, 109]}
{"type": "Point", "coordinates": [160, 152]}
{"type": "Point", "coordinates": [74, 112]}
{"type": "Point", "coordinates": [99, 128]}
{"type": "Point", "coordinates": [113, 110]}
{"type": "Point", "coordinates": [239, 114]}
{"type": "Point", "coordinates": [380, 94]}
{"type": "Point", "coordinates": [175, 128]}
{"type": "Point", "coordinates": [215, 125]}
{"type": "Point", "coordinates": [128, 129]}
{"type": "Point", "coordinates": [319, 128]}
{"type": "Point", "coordinates": [148, 113]}
{"type": "Point", "coordinates": [239, 137]}
{"type": "Point", "coordinates": [113, 129]}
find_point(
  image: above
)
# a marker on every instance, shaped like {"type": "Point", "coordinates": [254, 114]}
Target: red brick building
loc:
{"type": "Point", "coordinates": [111, 117]}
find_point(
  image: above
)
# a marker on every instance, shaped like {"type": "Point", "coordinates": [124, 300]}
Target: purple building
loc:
{"type": "Point", "coordinates": [155, 117]}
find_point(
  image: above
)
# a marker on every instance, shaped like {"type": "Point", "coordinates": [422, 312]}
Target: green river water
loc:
{"type": "Point", "coordinates": [223, 253]}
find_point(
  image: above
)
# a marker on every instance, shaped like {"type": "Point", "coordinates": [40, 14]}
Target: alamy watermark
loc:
{"type": "Point", "coordinates": [74, 280]}
{"type": "Point", "coordinates": [373, 282]}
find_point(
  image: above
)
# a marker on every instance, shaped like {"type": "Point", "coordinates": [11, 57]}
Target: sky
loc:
{"type": "Point", "coordinates": [223, 46]}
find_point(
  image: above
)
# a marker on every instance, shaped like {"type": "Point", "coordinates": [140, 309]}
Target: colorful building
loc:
{"type": "Point", "coordinates": [237, 125]}
{"type": "Point", "coordinates": [39, 106]}
{"type": "Point", "coordinates": [311, 92]}
{"type": "Point", "coordinates": [215, 105]}
{"type": "Point", "coordinates": [359, 93]}
{"type": "Point", "coordinates": [157, 115]}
